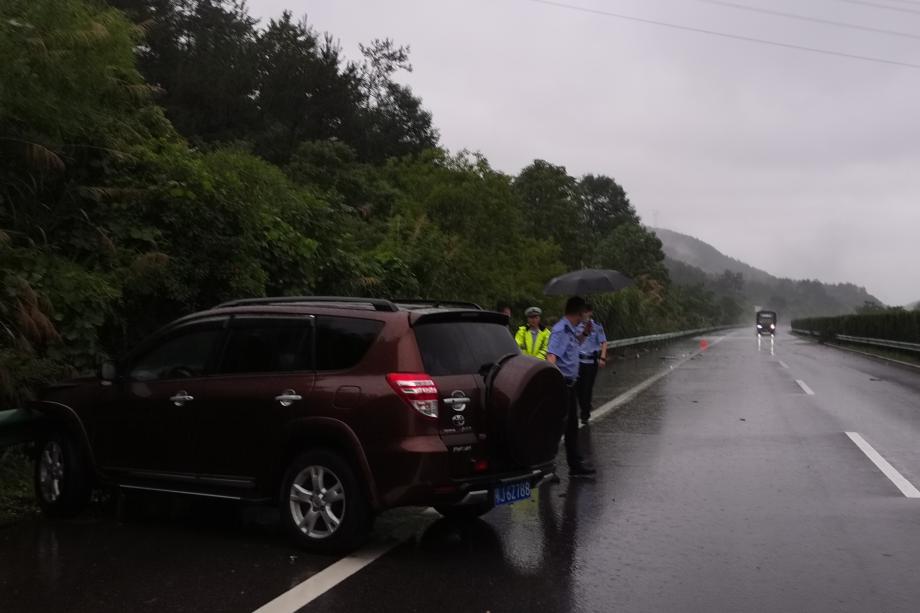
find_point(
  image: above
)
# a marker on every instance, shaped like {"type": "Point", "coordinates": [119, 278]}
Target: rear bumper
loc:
{"type": "Point", "coordinates": [439, 488]}
{"type": "Point", "coordinates": [424, 471]}
{"type": "Point", "coordinates": [483, 495]}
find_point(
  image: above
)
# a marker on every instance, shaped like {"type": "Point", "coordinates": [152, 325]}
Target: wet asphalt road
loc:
{"type": "Point", "coordinates": [722, 487]}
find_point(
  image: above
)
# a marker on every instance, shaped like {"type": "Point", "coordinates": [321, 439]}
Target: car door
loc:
{"type": "Point", "coordinates": [263, 378]}
{"type": "Point", "coordinates": [147, 429]}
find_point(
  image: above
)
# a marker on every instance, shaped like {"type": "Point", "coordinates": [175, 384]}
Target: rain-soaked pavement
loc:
{"type": "Point", "coordinates": [724, 486]}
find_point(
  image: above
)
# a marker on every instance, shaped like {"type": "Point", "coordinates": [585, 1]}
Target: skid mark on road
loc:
{"type": "Point", "coordinates": [906, 487]}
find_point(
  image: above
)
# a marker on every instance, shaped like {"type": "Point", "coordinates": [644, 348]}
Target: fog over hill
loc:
{"type": "Point", "coordinates": [691, 261]}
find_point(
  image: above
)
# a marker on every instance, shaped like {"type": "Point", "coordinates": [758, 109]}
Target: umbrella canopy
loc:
{"type": "Point", "coordinates": [587, 281]}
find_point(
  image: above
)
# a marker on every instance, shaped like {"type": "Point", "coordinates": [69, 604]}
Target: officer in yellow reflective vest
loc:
{"type": "Point", "coordinates": [533, 339]}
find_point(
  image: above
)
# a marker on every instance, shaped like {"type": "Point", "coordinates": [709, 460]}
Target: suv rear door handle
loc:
{"type": "Point", "coordinates": [288, 397]}
{"type": "Point", "coordinates": [181, 398]}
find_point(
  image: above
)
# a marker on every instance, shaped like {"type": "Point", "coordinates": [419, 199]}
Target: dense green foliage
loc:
{"type": "Point", "coordinates": [151, 170]}
{"type": "Point", "coordinates": [889, 324]}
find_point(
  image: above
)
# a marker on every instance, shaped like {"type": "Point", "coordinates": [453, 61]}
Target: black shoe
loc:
{"type": "Point", "coordinates": [585, 418]}
{"type": "Point", "coordinates": [581, 471]}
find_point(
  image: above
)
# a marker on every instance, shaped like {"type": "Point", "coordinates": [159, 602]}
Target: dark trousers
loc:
{"type": "Point", "coordinates": [587, 373]}
{"type": "Point", "coordinates": [571, 426]}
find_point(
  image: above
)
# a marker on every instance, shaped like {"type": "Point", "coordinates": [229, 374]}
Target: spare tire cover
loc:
{"type": "Point", "coordinates": [527, 404]}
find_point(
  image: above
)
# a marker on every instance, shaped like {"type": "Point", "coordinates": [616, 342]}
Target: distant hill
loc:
{"type": "Point", "coordinates": [691, 261]}
{"type": "Point", "coordinates": [705, 257]}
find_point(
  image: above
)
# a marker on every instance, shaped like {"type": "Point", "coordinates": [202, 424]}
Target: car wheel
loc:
{"type": "Point", "coordinates": [465, 512]}
{"type": "Point", "coordinates": [322, 504]}
{"type": "Point", "coordinates": [62, 484]}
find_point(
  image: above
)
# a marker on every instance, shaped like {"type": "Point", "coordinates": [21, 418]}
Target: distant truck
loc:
{"type": "Point", "coordinates": [765, 322]}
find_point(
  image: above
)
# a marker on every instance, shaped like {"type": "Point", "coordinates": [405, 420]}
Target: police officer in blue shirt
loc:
{"type": "Point", "coordinates": [593, 355]}
{"type": "Point", "coordinates": [564, 350]}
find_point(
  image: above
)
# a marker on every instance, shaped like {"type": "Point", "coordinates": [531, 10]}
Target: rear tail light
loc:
{"type": "Point", "coordinates": [418, 390]}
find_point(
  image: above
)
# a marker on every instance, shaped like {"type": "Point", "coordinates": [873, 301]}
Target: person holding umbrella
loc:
{"type": "Point", "coordinates": [567, 338]}
{"type": "Point", "coordinates": [593, 355]}
{"type": "Point", "coordinates": [564, 350]}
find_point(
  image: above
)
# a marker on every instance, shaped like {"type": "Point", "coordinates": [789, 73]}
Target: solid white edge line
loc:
{"type": "Point", "coordinates": [304, 593]}
{"type": "Point", "coordinates": [783, 364]}
{"type": "Point", "coordinates": [805, 387]}
{"type": "Point", "coordinates": [906, 487]}
{"type": "Point", "coordinates": [634, 391]}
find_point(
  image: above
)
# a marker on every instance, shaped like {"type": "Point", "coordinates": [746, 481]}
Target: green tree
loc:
{"type": "Point", "coordinates": [552, 210]}
{"type": "Point", "coordinates": [635, 251]}
{"type": "Point", "coordinates": [201, 55]}
{"type": "Point", "coordinates": [605, 206]}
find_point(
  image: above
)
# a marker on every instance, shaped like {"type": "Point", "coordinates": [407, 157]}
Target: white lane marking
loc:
{"type": "Point", "coordinates": [304, 593]}
{"type": "Point", "coordinates": [882, 464]}
{"type": "Point", "coordinates": [634, 391]}
{"type": "Point", "coordinates": [805, 387]}
{"type": "Point", "coordinates": [783, 364]}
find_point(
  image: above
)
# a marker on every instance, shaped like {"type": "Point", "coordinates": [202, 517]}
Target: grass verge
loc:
{"type": "Point", "coordinates": [17, 500]}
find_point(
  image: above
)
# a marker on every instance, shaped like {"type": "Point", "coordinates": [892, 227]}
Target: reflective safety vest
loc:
{"type": "Point", "coordinates": [525, 341]}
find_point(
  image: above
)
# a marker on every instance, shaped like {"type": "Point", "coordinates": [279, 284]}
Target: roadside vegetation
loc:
{"type": "Point", "coordinates": [16, 497]}
{"type": "Point", "coordinates": [892, 324]}
{"type": "Point", "coordinates": [160, 156]}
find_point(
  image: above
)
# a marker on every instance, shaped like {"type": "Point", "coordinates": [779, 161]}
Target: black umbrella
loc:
{"type": "Point", "coordinates": [587, 281]}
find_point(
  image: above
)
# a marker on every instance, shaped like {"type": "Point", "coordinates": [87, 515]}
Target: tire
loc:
{"type": "Point", "coordinates": [62, 481]}
{"type": "Point", "coordinates": [466, 512]}
{"type": "Point", "coordinates": [310, 519]}
{"type": "Point", "coordinates": [526, 401]}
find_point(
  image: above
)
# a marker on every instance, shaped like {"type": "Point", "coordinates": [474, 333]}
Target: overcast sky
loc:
{"type": "Point", "coordinates": [803, 164]}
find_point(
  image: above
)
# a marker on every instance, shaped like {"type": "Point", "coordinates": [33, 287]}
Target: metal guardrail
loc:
{"type": "Point", "coordinates": [861, 340]}
{"type": "Point", "coordinates": [657, 338]}
{"type": "Point", "coordinates": [881, 342]}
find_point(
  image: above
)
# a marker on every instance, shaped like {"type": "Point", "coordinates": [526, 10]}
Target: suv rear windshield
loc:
{"type": "Point", "coordinates": [461, 348]}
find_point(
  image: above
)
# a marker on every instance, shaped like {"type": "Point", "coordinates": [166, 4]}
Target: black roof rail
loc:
{"type": "Point", "coordinates": [379, 304]}
{"type": "Point", "coordinates": [438, 303]}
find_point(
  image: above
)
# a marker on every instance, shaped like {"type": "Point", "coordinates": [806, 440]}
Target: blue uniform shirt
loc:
{"type": "Point", "coordinates": [563, 343]}
{"type": "Point", "coordinates": [591, 347]}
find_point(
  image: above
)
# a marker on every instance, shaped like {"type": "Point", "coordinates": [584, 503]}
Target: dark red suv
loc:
{"type": "Point", "coordinates": [335, 408]}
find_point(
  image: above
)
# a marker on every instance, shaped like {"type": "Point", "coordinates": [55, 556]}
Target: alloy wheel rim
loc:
{"type": "Point", "coordinates": [317, 500]}
{"type": "Point", "coordinates": [51, 471]}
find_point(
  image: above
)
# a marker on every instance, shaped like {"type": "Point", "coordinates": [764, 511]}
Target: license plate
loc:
{"type": "Point", "coordinates": [509, 493]}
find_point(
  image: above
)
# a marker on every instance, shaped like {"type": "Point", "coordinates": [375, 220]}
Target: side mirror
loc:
{"type": "Point", "coordinates": [107, 372]}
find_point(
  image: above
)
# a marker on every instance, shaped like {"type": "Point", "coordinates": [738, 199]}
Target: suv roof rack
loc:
{"type": "Point", "coordinates": [379, 304]}
{"type": "Point", "coordinates": [414, 302]}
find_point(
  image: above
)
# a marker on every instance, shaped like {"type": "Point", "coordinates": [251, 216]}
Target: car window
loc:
{"type": "Point", "coordinates": [455, 348]}
{"type": "Point", "coordinates": [266, 346]}
{"type": "Point", "coordinates": [341, 342]}
{"type": "Point", "coordinates": [185, 354]}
